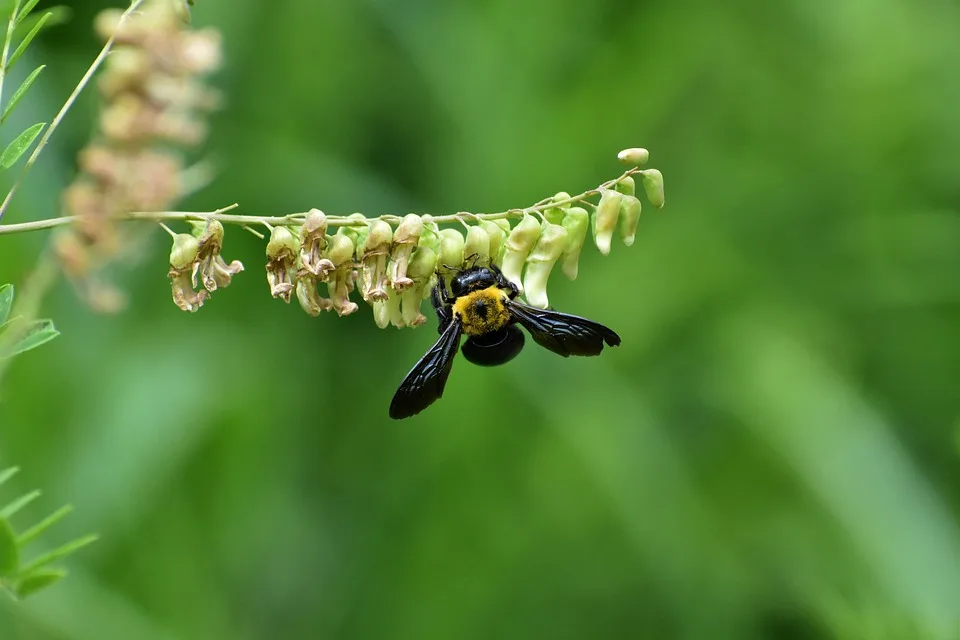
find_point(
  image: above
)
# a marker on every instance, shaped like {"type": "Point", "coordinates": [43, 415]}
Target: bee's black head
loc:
{"type": "Point", "coordinates": [472, 279]}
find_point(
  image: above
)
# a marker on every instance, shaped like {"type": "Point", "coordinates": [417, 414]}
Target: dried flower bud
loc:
{"type": "Point", "coordinates": [373, 254]}
{"type": "Point", "coordinates": [653, 186]}
{"type": "Point", "coordinates": [313, 241]}
{"type": "Point", "coordinates": [182, 256]}
{"type": "Point", "coordinates": [210, 266]}
{"type": "Point", "coordinates": [421, 268]}
{"type": "Point", "coordinates": [310, 299]}
{"type": "Point", "coordinates": [555, 214]}
{"type": "Point", "coordinates": [605, 219]}
{"type": "Point", "coordinates": [627, 186]}
{"type": "Point", "coordinates": [517, 247]}
{"type": "Point", "coordinates": [634, 157]}
{"type": "Point", "coordinates": [451, 250]}
{"type": "Point", "coordinates": [340, 251]}
{"type": "Point", "coordinates": [577, 223]}
{"type": "Point", "coordinates": [540, 262]}
{"type": "Point", "coordinates": [477, 243]}
{"type": "Point", "coordinates": [497, 234]}
{"type": "Point", "coordinates": [405, 240]}
{"type": "Point", "coordinates": [282, 252]}
{"type": "Point", "coordinates": [629, 218]}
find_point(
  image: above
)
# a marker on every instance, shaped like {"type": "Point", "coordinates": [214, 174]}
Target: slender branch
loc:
{"type": "Point", "coordinates": [221, 215]}
{"type": "Point", "coordinates": [6, 45]}
{"type": "Point", "coordinates": [134, 5]}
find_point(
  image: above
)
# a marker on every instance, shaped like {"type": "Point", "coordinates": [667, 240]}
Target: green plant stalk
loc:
{"type": "Point", "coordinates": [222, 216]}
{"type": "Point", "coordinates": [134, 5]}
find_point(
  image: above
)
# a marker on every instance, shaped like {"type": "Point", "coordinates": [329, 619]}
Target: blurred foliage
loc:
{"type": "Point", "coordinates": [771, 453]}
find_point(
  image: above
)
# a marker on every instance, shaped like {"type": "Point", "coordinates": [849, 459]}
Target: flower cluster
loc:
{"type": "Point", "coordinates": [395, 262]}
{"type": "Point", "coordinates": [153, 101]}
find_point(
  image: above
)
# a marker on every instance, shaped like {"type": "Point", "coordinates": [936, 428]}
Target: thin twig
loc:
{"type": "Point", "coordinates": [134, 5]}
{"type": "Point", "coordinates": [222, 216]}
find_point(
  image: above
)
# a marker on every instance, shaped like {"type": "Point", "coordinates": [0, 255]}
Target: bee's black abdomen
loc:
{"type": "Point", "coordinates": [495, 348]}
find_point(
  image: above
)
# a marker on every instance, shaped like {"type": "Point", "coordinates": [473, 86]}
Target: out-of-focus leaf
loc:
{"type": "Point", "coordinates": [6, 302]}
{"type": "Point", "coordinates": [38, 333]}
{"type": "Point", "coordinates": [58, 554]}
{"type": "Point", "coordinates": [6, 474]}
{"type": "Point", "coordinates": [9, 552]}
{"type": "Point", "coordinates": [61, 15]}
{"type": "Point", "coordinates": [19, 145]}
{"type": "Point", "coordinates": [19, 93]}
{"type": "Point", "coordinates": [37, 530]}
{"type": "Point", "coordinates": [27, 39]}
{"type": "Point", "coordinates": [37, 581]}
{"type": "Point", "coordinates": [25, 10]}
{"type": "Point", "coordinates": [15, 506]}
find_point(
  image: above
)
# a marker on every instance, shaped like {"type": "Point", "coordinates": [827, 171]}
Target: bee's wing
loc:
{"type": "Point", "coordinates": [424, 384]}
{"type": "Point", "coordinates": [563, 333]}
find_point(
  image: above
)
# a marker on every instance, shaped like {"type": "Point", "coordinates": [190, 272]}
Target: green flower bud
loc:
{"type": "Point", "coordinates": [313, 241]}
{"type": "Point", "coordinates": [387, 312]}
{"type": "Point", "coordinates": [282, 250]}
{"type": "Point", "coordinates": [577, 223]}
{"type": "Point", "coordinates": [653, 186]}
{"type": "Point", "coordinates": [356, 231]}
{"type": "Point", "coordinates": [605, 219]}
{"type": "Point", "coordinates": [627, 186]}
{"type": "Point", "coordinates": [451, 250]}
{"type": "Point", "coordinates": [373, 255]}
{"type": "Point", "coordinates": [634, 157]}
{"type": "Point", "coordinates": [340, 249]}
{"type": "Point", "coordinates": [310, 299]}
{"type": "Point", "coordinates": [210, 266]}
{"type": "Point", "coordinates": [554, 215]}
{"type": "Point", "coordinates": [517, 247]}
{"type": "Point", "coordinates": [629, 218]}
{"type": "Point", "coordinates": [185, 250]}
{"type": "Point", "coordinates": [497, 235]}
{"type": "Point", "coordinates": [477, 243]}
{"type": "Point", "coordinates": [404, 242]}
{"type": "Point", "coordinates": [422, 265]}
{"type": "Point", "coordinates": [183, 256]}
{"type": "Point", "coordinates": [340, 252]}
{"type": "Point", "coordinates": [540, 263]}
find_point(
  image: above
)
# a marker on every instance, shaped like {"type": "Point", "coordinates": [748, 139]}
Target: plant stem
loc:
{"type": "Point", "coordinates": [134, 5]}
{"type": "Point", "coordinates": [6, 46]}
{"type": "Point", "coordinates": [222, 216]}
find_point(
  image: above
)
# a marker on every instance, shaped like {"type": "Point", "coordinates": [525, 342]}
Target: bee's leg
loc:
{"type": "Point", "coordinates": [440, 304]}
{"type": "Point", "coordinates": [503, 283]}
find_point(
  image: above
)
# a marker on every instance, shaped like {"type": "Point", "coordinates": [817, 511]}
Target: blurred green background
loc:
{"type": "Point", "coordinates": [771, 453]}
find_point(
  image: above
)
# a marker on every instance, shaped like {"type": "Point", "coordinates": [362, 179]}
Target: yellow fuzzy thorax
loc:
{"type": "Point", "coordinates": [482, 311]}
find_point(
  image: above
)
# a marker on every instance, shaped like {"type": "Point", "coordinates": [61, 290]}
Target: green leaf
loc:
{"type": "Point", "coordinates": [6, 302]}
{"type": "Point", "coordinates": [37, 530]}
{"type": "Point", "coordinates": [17, 148]}
{"type": "Point", "coordinates": [37, 333]}
{"type": "Point", "coordinates": [61, 15]}
{"type": "Point", "coordinates": [6, 474]}
{"type": "Point", "coordinates": [27, 39]}
{"type": "Point", "coordinates": [37, 581]}
{"type": "Point", "coordinates": [9, 552]}
{"type": "Point", "coordinates": [25, 10]}
{"type": "Point", "coordinates": [21, 90]}
{"type": "Point", "coordinates": [57, 554]}
{"type": "Point", "coordinates": [18, 504]}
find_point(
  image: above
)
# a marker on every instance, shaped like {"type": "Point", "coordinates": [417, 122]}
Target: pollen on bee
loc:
{"type": "Point", "coordinates": [482, 311]}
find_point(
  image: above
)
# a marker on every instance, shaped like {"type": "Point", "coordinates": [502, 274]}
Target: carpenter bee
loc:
{"type": "Point", "coordinates": [482, 304]}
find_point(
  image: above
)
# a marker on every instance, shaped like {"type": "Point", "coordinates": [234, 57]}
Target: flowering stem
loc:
{"type": "Point", "coordinates": [222, 216]}
{"type": "Point", "coordinates": [134, 5]}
